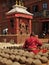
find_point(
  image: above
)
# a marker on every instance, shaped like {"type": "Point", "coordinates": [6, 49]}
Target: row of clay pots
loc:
{"type": "Point", "coordinates": [26, 58]}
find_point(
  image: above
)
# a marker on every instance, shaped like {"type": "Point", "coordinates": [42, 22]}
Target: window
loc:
{"type": "Point", "coordinates": [12, 22]}
{"type": "Point", "coordinates": [45, 26]}
{"type": "Point", "coordinates": [35, 8]}
{"type": "Point", "coordinates": [44, 6]}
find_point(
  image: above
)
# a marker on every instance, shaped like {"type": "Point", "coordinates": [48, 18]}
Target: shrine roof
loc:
{"type": "Point", "coordinates": [19, 9]}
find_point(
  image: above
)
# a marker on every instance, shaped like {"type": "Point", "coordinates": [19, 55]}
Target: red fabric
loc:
{"type": "Point", "coordinates": [35, 51]}
{"type": "Point", "coordinates": [32, 43]}
{"type": "Point", "coordinates": [44, 50]}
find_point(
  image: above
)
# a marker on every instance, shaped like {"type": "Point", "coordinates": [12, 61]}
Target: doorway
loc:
{"type": "Point", "coordinates": [45, 27]}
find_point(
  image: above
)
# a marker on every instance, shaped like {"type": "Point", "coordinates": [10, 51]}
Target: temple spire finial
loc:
{"type": "Point", "coordinates": [20, 2]}
{"type": "Point", "coordinates": [16, 2]}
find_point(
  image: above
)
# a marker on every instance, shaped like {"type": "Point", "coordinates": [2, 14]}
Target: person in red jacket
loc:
{"type": "Point", "coordinates": [32, 44]}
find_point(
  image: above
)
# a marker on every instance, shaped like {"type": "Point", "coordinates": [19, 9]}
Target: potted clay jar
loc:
{"type": "Point", "coordinates": [8, 62]}
{"type": "Point", "coordinates": [22, 60]}
{"type": "Point", "coordinates": [16, 63]}
{"type": "Point", "coordinates": [44, 59]}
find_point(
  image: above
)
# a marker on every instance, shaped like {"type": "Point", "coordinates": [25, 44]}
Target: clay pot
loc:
{"type": "Point", "coordinates": [8, 62]}
{"type": "Point", "coordinates": [12, 57]}
{"type": "Point", "coordinates": [22, 60]}
{"type": "Point", "coordinates": [3, 60]}
{"type": "Point", "coordinates": [36, 62]}
{"type": "Point", "coordinates": [37, 56]}
{"type": "Point", "coordinates": [44, 59]}
{"type": "Point", "coordinates": [17, 58]}
{"type": "Point", "coordinates": [0, 60]}
{"type": "Point", "coordinates": [16, 63]}
{"type": "Point", "coordinates": [29, 61]}
{"type": "Point", "coordinates": [6, 56]}
{"type": "Point", "coordinates": [45, 54]}
{"type": "Point", "coordinates": [33, 62]}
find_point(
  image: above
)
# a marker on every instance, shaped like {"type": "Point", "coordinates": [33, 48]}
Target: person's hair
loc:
{"type": "Point", "coordinates": [32, 34]}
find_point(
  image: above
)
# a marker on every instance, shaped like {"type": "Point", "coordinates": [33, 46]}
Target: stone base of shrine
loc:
{"type": "Point", "coordinates": [15, 38]}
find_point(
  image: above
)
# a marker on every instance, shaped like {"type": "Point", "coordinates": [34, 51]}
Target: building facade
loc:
{"type": "Point", "coordinates": [5, 6]}
{"type": "Point", "coordinates": [40, 9]}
